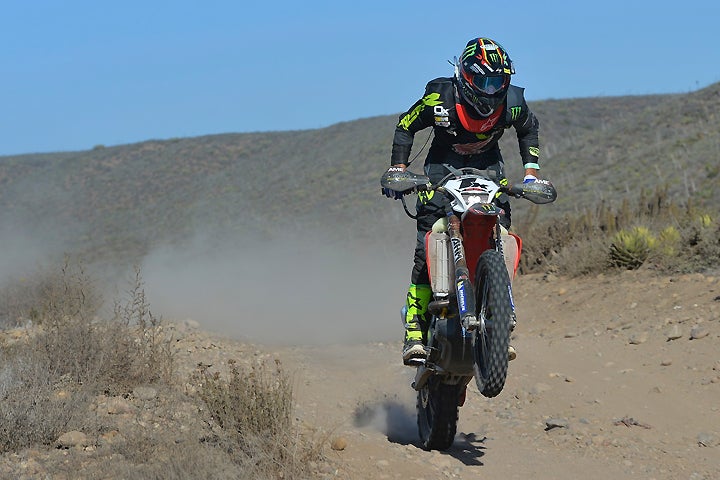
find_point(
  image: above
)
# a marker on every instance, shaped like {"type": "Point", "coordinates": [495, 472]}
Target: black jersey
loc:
{"type": "Point", "coordinates": [458, 131]}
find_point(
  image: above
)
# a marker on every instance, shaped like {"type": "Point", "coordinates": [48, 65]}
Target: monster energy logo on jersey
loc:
{"type": "Point", "coordinates": [515, 112]}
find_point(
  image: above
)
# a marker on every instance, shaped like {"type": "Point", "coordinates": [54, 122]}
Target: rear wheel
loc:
{"type": "Point", "coordinates": [494, 305]}
{"type": "Point", "coordinates": [437, 408]}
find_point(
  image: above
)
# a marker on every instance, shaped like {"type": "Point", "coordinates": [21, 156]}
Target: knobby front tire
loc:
{"type": "Point", "coordinates": [494, 304]}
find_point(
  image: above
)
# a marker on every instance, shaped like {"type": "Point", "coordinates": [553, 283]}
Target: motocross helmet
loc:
{"type": "Point", "coordinates": [483, 75]}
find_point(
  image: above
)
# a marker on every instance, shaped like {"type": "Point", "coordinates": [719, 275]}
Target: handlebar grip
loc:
{"type": "Point", "coordinates": [516, 191]}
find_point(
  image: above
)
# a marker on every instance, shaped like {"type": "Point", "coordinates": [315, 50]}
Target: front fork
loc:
{"type": "Point", "coordinates": [463, 284]}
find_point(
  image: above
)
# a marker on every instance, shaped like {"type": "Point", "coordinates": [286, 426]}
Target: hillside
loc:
{"type": "Point", "coordinates": [119, 202]}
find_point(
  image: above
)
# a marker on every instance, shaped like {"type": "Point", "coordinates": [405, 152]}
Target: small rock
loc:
{"type": "Point", "coordinates": [119, 406]}
{"type": "Point", "coordinates": [666, 362]}
{"type": "Point", "coordinates": [638, 338]}
{"type": "Point", "coordinates": [190, 324]}
{"type": "Point", "coordinates": [698, 331]}
{"type": "Point", "coordinates": [339, 443]}
{"type": "Point", "coordinates": [72, 439]}
{"type": "Point", "coordinates": [551, 423]}
{"type": "Point", "coordinates": [674, 333]}
{"type": "Point", "coordinates": [705, 439]}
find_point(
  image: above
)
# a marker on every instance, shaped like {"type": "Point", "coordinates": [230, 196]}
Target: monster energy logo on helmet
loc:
{"type": "Point", "coordinates": [490, 51]}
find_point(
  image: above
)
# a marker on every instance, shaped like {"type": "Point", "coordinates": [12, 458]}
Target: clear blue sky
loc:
{"type": "Point", "coordinates": [75, 74]}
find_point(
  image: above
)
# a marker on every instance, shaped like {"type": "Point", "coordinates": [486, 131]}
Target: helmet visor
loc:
{"type": "Point", "coordinates": [489, 85]}
{"type": "Point", "coordinates": [483, 104]}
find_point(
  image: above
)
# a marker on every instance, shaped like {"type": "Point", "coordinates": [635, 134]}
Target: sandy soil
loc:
{"type": "Point", "coordinates": [616, 377]}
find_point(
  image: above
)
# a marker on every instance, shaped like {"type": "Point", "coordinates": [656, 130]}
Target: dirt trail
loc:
{"type": "Point", "coordinates": [617, 377]}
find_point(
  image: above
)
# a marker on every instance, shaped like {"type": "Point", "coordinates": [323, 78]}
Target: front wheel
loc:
{"type": "Point", "coordinates": [437, 409]}
{"type": "Point", "coordinates": [495, 310]}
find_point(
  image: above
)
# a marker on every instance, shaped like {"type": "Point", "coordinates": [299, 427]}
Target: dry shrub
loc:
{"type": "Point", "coordinates": [49, 292]}
{"type": "Point", "coordinates": [106, 356]}
{"type": "Point", "coordinates": [35, 405]}
{"type": "Point", "coordinates": [587, 257]}
{"type": "Point", "coordinates": [49, 376]}
{"type": "Point", "coordinates": [148, 358]}
{"type": "Point", "coordinates": [252, 409]}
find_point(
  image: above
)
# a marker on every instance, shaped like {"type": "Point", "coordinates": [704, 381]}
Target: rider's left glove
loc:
{"type": "Point", "coordinates": [390, 193]}
{"type": "Point", "coordinates": [529, 178]}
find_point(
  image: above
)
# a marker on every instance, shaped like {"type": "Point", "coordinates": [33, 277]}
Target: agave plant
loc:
{"type": "Point", "coordinates": [630, 248]}
{"type": "Point", "coordinates": [668, 241]}
{"type": "Point", "coordinates": [704, 220]}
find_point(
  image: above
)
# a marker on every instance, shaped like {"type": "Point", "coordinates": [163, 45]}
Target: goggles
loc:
{"type": "Point", "coordinates": [488, 85]}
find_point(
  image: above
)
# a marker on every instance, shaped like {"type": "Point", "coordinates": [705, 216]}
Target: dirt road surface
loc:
{"type": "Point", "coordinates": [617, 377]}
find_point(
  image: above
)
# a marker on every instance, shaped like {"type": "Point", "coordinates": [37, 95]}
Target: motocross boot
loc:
{"type": "Point", "coordinates": [416, 324]}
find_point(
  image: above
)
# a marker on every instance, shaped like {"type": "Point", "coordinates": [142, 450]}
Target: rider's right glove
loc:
{"type": "Point", "coordinates": [390, 193]}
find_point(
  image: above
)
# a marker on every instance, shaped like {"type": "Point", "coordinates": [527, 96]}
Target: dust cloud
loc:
{"type": "Point", "coordinates": [25, 249]}
{"type": "Point", "coordinates": [289, 291]}
{"type": "Point", "coordinates": [390, 416]}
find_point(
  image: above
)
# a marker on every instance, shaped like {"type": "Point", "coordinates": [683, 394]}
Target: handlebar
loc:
{"type": "Point", "coordinates": [539, 191]}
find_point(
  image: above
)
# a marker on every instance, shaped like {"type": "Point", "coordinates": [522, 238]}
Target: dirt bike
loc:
{"type": "Point", "coordinates": [471, 260]}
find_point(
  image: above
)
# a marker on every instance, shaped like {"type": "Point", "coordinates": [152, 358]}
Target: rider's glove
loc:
{"type": "Point", "coordinates": [390, 193]}
{"type": "Point", "coordinates": [529, 178]}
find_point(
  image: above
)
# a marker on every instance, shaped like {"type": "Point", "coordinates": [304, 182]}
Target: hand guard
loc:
{"type": "Point", "coordinates": [529, 178]}
{"type": "Point", "coordinates": [392, 193]}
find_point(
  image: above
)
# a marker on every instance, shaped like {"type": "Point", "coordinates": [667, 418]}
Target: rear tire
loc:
{"type": "Point", "coordinates": [494, 304]}
{"type": "Point", "coordinates": [437, 409]}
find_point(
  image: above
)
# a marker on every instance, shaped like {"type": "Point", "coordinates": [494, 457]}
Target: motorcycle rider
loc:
{"type": "Point", "coordinates": [468, 112]}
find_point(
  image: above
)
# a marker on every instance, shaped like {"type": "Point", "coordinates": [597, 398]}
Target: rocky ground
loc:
{"type": "Point", "coordinates": [617, 376]}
